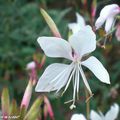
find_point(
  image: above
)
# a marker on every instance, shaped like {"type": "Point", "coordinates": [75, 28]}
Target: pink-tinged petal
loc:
{"type": "Point", "coordinates": [109, 23]}
{"type": "Point", "coordinates": [31, 65]}
{"type": "Point", "coordinates": [54, 77]}
{"type": "Point", "coordinates": [95, 116]}
{"type": "Point", "coordinates": [55, 47]}
{"type": "Point", "coordinates": [78, 117]}
{"type": "Point", "coordinates": [106, 12]}
{"type": "Point", "coordinates": [117, 34]}
{"type": "Point", "coordinates": [97, 68]}
{"type": "Point", "coordinates": [99, 22]}
{"type": "Point", "coordinates": [84, 41]}
{"type": "Point", "coordinates": [112, 114]}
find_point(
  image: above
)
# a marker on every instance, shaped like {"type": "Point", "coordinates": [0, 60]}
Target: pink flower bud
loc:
{"type": "Point", "coordinates": [32, 71]}
{"type": "Point", "coordinates": [27, 95]}
{"type": "Point", "coordinates": [93, 9]}
{"type": "Point", "coordinates": [31, 65]}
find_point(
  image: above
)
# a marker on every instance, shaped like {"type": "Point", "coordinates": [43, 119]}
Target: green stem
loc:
{"type": "Point", "coordinates": [87, 105]}
{"type": "Point", "coordinates": [107, 34]}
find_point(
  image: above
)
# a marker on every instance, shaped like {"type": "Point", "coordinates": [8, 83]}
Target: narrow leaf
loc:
{"type": "Point", "coordinates": [34, 110]}
{"type": "Point", "coordinates": [14, 111]}
{"type": "Point", "coordinates": [5, 101]}
{"type": "Point", "coordinates": [50, 23]}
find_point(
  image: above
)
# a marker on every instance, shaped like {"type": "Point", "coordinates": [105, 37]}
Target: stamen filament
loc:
{"type": "Point", "coordinates": [78, 80]}
{"type": "Point", "coordinates": [69, 80]}
{"type": "Point", "coordinates": [85, 80]}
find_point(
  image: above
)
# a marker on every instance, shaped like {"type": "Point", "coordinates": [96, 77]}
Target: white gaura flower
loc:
{"type": "Point", "coordinates": [107, 16]}
{"type": "Point", "coordinates": [58, 75]}
{"type": "Point", "coordinates": [79, 24]}
{"type": "Point", "coordinates": [110, 115]}
{"type": "Point", "coordinates": [78, 117]}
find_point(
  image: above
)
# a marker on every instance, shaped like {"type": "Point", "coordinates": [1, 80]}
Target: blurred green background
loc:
{"type": "Point", "coordinates": [21, 24]}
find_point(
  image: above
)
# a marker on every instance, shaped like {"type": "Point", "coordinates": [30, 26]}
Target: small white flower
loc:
{"type": "Point", "coordinates": [110, 115]}
{"type": "Point", "coordinates": [107, 16]}
{"type": "Point", "coordinates": [79, 24]}
{"type": "Point", "coordinates": [78, 117]}
{"type": "Point", "coordinates": [58, 75]}
{"type": "Point", "coordinates": [31, 65]}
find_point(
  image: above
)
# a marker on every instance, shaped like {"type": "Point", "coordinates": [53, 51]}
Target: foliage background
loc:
{"type": "Point", "coordinates": [21, 24]}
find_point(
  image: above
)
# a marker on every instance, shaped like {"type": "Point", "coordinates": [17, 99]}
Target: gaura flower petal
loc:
{"type": "Point", "coordinates": [106, 12]}
{"type": "Point", "coordinates": [99, 22]}
{"type": "Point", "coordinates": [84, 41]}
{"type": "Point", "coordinates": [97, 68]}
{"type": "Point", "coordinates": [54, 77]}
{"type": "Point", "coordinates": [74, 27]}
{"type": "Point", "coordinates": [78, 117]}
{"type": "Point", "coordinates": [95, 116]}
{"type": "Point", "coordinates": [112, 113]}
{"type": "Point", "coordinates": [109, 23]}
{"type": "Point", "coordinates": [80, 20]}
{"type": "Point", "coordinates": [55, 47]}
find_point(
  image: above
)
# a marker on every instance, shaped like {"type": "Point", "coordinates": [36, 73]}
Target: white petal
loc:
{"type": "Point", "coordinates": [80, 20]}
{"type": "Point", "coordinates": [112, 114]}
{"type": "Point", "coordinates": [74, 27]}
{"type": "Point", "coordinates": [54, 77]}
{"type": "Point", "coordinates": [94, 116]}
{"type": "Point", "coordinates": [84, 41]}
{"type": "Point", "coordinates": [78, 117]}
{"type": "Point", "coordinates": [109, 24]}
{"type": "Point", "coordinates": [99, 22]}
{"type": "Point", "coordinates": [97, 68]}
{"type": "Point", "coordinates": [106, 12]}
{"type": "Point", "coordinates": [55, 47]}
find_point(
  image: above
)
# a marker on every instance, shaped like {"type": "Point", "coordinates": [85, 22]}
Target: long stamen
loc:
{"type": "Point", "coordinates": [69, 80]}
{"type": "Point", "coordinates": [75, 88]}
{"type": "Point", "coordinates": [85, 80]}
{"type": "Point", "coordinates": [78, 77]}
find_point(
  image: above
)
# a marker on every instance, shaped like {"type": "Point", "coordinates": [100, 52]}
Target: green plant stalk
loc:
{"type": "Point", "coordinates": [87, 105]}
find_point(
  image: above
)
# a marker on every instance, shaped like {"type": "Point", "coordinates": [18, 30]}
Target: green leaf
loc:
{"type": "Point", "coordinates": [14, 111]}
{"type": "Point", "coordinates": [22, 112]}
{"type": "Point", "coordinates": [34, 110]}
